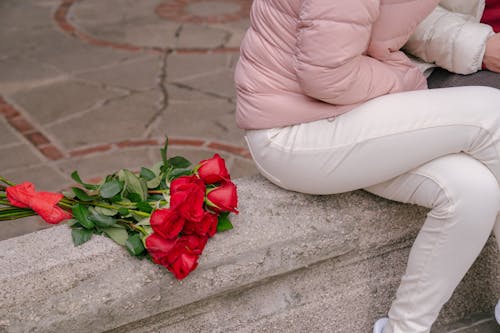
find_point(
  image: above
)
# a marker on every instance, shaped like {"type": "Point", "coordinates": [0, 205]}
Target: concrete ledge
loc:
{"type": "Point", "coordinates": [286, 253]}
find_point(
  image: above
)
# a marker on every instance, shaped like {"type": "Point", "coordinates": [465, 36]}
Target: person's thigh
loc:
{"type": "Point", "coordinates": [441, 78]}
{"type": "Point", "coordinates": [381, 139]}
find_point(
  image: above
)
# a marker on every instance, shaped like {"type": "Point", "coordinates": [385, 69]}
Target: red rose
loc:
{"type": "Point", "coordinates": [183, 258]}
{"type": "Point", "coordinates": [213, 170]}
{"type": "Point", "coordinates": [207, 226]}
{"type": "Point", "coordinates": [167, 222]}
{"type": "Point", "coordinates": [224, 198]}
{"type": "Point", "coordinates": [159, 247]}
{"type": "Point", "coordinates": [188, 200]}
{"type": "Point", "coordinates": [194, 243]}
{"type": "Point", "coordinates": [43, 203]}
{"type": "Point", "coordinates": [20, 195]}
{"type": "Point", "coordinates": [179, 255]}
{"type": "Point", "coordinates": [177, 183]}
{"type": "Point", "coordinates": [184, 264]}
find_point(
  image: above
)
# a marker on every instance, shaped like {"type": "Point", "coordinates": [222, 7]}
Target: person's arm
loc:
{"type": "Point", "coordinates": [450, 40]}
{"type": "Point", "coordinates": [330, 57]}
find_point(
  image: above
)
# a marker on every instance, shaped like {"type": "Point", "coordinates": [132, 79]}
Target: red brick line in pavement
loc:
{"type": "Point", "coordinates": [172, 141]}
{"type": "Point", "coordinates": [60, 17]}
{"type": "Point", "coordinates": [29, 131]}
{"type": "Point", "coordinates": [49, 150]}
{"type": "Point", "coordinates": [176, 11]}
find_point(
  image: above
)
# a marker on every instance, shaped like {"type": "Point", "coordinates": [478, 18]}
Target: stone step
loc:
{"type": "Point", "coordinates": [476, 324]}
{"type": "Point", "coordinates": [293, 263]}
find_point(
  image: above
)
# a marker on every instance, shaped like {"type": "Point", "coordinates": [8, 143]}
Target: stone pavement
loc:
{"type": "Point", "coordinates": [95, 86]}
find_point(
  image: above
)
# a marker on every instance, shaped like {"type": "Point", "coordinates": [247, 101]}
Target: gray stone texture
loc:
{"type": "Point", "coordinates": [179, 119]}
{"type": "Point", "coordinates": [219, 83]}
{"type": "Point", "coordinates": [139, 74]}
{"type": "Point", "coordinates": [186, 66]}
{"type": "Point", "coordinates": [17, 156]}
{"type": "Point", "coordinates": [199, 36]}
{"type": "Point", "coordinates": [61, 99]}
{"type": "Point", "coordinates": [98, 165]}
{"type": "Point", "coordinates": [45, 177]}
{"type": "Point", "coordinates": [7, 134]}
{"type": "Point", "coordinates": [20, 73]}
{"type": "Point", "coordinates": [240, 167]}
{"type": "Point", "coordinates": [118, 120]}
{"type": "Point", "coordinates": [323, 264]}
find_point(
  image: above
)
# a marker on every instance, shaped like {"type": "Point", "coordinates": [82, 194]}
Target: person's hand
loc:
{"type": "Point", "coordinates": [491, 58]}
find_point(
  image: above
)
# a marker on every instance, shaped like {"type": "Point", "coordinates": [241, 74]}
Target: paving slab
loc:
{"type": "Point", "coordinates": [45, 177]}
{"type": "Point", "coordinates": [100, 165]}
{"type": "Point", "coordinates": [17, 156]}
{"type": "Point", "coordinates": [69, 54]}
{"type": "Point", "coordinates": [197, 36]}
{"type": "Point", "coordinates": [24, 14]}
{"type": "Point", "coordinates": [20, 73]}
{"type": "Point", "coordinates": [186, 66]}
{"type": "Point", "coordinates": [117, 120]}
{"type": "Point", "coordinates": [219, 83]}
{"type": "Point", "coordinates": [98, 12]}
{"type": "Point", "coordinates": [11, 229]}
{"type": "Point", "coordinates": [241, 167]}
{"type": "Point", "coordinates": [180, 94]}
{"type": "Point", "coordinates": [179, 119]}
{"type": "Point", "coordinates": [67, 97]}
{"type": "Point", "coordinates": [7, 134]}
{"type": "Point", "coordinates": [138, 74]}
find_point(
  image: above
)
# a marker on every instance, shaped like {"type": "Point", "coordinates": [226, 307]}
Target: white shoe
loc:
{"type": "Point", "coordinates": [497, 312]}
{"type": "Point", "coordinates": [380, 324]}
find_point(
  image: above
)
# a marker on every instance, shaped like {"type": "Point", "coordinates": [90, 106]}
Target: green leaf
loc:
{"type": "Point", "coordinates": [180, 172]}
{"type": "Point", "coordinates": [123, 211]}
{"type": "Point", "coordinates": [118, 235]}
{"type": "Point", "coordinates": [68, 194]}
{"type": "Point", "coordinates": [80, 236]}
{"type": "Point", "coordinates": [106, 211]}
{"type": "Point", "coordinates": [82, 195]}
{"type": "Point", "coordinates": [137, 217]}
{"type": "Point", "coordinates": [163, 152]}
{"type": "Point", "coordinates": [156, 168]}
{"type": "Point", "coordinates": [76, 178]}
{"type": "Point", "coordinates": [154, 183]}
{"type": "Point", "coordinates": [147, 174]}
{"type": "Point", "coordinates": [72, 222]}
{"type": "Point", "coordinates": [224, 223]}
{"type": "Point", "coordinates": [143, 206]}
{"type": "Point", "coordinates": [111, 188]}
{"type": "Point", "coordinates": [81, 214]}
{"type": "Point", "coordinates": [144, 221]}
{"type": "Point", "coordinates": [133, 184]}
{"type": "Point", "coordinates": [100, 220]}
{"type": "Point", "coordinates": [179, 162]}
{"type": "Point", "coordinates": [134, 245]}
{"type": "Point", "coordinates": [134, 197]}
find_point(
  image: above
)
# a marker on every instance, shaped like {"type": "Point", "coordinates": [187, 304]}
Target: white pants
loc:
{"type": "Point", "coordinates": [435, 148]}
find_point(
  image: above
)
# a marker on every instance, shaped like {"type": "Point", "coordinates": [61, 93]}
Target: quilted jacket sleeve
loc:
{"type": "Point", "coordinates": [451, 40]}
{"type": "Point", "coordinates": [330, 55]}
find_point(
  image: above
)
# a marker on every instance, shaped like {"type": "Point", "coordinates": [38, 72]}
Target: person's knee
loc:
{"type": "Point", "coordinates": [468, 188]}
{"type": "Point", "coordinates": [487, 96]}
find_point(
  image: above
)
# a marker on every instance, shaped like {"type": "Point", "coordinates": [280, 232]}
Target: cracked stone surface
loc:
{"type": "Point", "coordinates": [67, 98]}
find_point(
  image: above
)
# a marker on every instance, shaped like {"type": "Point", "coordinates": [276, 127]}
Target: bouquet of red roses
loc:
{"type": "Point", "coordinates": [167, 212]}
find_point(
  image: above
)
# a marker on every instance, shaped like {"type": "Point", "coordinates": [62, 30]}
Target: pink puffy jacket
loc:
{"type": "Point", "coordinates": [305, 60]}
